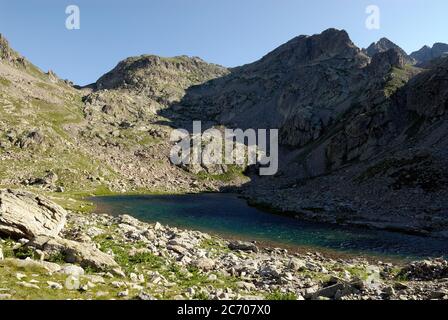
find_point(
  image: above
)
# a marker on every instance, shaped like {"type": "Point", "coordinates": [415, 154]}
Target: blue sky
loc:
{"type": "Point", "coordinates": [228, 32]}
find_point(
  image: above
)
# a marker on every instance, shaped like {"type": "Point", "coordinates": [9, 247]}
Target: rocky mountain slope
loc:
{"type": "Point", "coordinates": [368, 130]}
{"type": "Point", "coordinates": [55, 137]}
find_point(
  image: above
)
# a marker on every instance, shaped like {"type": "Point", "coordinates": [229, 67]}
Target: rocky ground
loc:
{"type": "Point", "coordinates": [69, 255]}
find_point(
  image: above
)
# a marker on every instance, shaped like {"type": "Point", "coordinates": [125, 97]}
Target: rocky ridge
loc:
{"type": "Point", "coordinates": [426, 54]}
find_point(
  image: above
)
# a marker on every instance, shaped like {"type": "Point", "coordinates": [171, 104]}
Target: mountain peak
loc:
{"type": "Point", "coordinates": [303, 49]}
{"type": "Point", "coordinates": [383, 45]}
{"type": "Point", "coordinates": [143, 71]}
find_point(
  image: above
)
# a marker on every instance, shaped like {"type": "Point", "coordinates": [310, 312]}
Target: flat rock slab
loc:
{"type": "Point", "coordinates": [26, 215]}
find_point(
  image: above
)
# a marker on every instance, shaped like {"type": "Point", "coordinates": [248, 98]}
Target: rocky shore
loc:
{"type": "Point", "coordinates": [51, 253]}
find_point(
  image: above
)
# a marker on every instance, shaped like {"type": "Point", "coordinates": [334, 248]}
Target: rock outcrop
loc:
{"type": "Point", "coordinates": [8, 55]}
{"type": "Point", "coordinates": [25, 215]}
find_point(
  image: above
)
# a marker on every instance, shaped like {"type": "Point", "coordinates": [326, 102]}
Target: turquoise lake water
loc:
{"type": "Point", "coordinates": [228, 215]}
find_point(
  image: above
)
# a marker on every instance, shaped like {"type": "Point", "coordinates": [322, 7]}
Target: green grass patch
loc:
{"type": "Point", "coordinates": [5, 82]}
{"type": "Point", "coordinates": [277, 295]}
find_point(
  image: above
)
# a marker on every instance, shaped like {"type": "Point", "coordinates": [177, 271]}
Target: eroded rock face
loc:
{"type": "Point", "coordinates": [25, 215]}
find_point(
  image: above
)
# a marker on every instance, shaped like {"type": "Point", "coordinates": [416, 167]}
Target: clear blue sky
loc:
{"type": "Point", "coordinates": [228, 32]}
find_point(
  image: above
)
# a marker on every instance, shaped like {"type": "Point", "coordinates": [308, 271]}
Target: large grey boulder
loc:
{"type": "Point", "coordinates": [86, 255]}
{"type": "Point", "coordinates": [26, 215]}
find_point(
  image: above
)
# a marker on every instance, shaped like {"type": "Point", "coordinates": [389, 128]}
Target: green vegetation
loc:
{"type": "Point", "coordinates": [358, 272]}
{"type": "Point", "coordinates": [233, 173]}
{"type": "Point", "coordinates": [277, 295]}
{"type": "Point", "coordinates": [398, 78]}
{"type": "Point", "coordinates": [39, 277]}
{"type": "Point", "coordinates": [4, 82]}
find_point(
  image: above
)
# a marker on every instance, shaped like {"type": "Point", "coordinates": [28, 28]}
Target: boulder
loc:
{"type": "Point", "coordinates": [335, 291]}
{"type": "Point", "coordinates": [26, 215]}
{"type": "Point", "coordinates": [243, 246]}
{"type": "Point", "coordinates": [72, 270]}
{"type": "Point", "coordinates": [29, 264]}
{"type": "Point", "coordinates": [204, 264]}
{"type": "Point", "coordinates": [74, 252]}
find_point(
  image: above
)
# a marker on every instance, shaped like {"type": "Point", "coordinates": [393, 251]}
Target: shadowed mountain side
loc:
{"type": "Point", "coordinates": [353, 148]}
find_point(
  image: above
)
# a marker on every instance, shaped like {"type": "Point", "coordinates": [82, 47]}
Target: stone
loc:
{"type": "Point", "coordinates": [245, 286]}
{"type": "Point", "coordinates": [426, 270]}
{"type": "Point", "coordinates": [212, 277]}
{"type": "Point", "coordinates": [26, 215]}
{"type": "Point", "coordinates": [145, 296]}
{"type": "Point", "coordinates": [95, 279]}
{"type": "Point", "coordinates": [74, 252]}
{"type": "Point", "coordinates": [124, 293]}
{"type": "Point", "coordinates": [191, 291]}
{"type": "Point", "coordinates": [54, 285]}
{"type": "Point", "coordinates": [28, 285]}
{"type": "Point", "coordinates": [72, 270]}
{"type": "Point", "coordinates": [5, 296]}
{"type": "Point", "coordinates": [296, 264]}
{"type": "Point", "coordinates": [84, 288]}
{"type": "Point", "coordinates": [118, 284]}
{"type": "Point", "coordinates": [20, 276]}
{"type": "Point", "coordinates": [204, 264]}
{"type": "Point", "coordinates": [118, 272]}
{"type": "Point", "coordinates": [29, 264]}
{"type": "Point", "coordinates": [242, 246]}
{"type": "Point", "coordinates": [436, 295]}
{"type": "Point", "coordinates": [389, 291]}
{"type": "Point", "coordinates": [335, 291]}
{"type": "Point", "coordinates": [129, 220]}
{"type": "Point", "coordinates": [400, 286]}
{"type": "Point", "coordinates": [158, 227]}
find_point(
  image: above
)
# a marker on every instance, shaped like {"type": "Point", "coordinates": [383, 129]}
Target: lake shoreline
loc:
{"type": "Point", "coordinates": [233, 234]}
{"type": "Point", "coordinates": [121, 257]}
